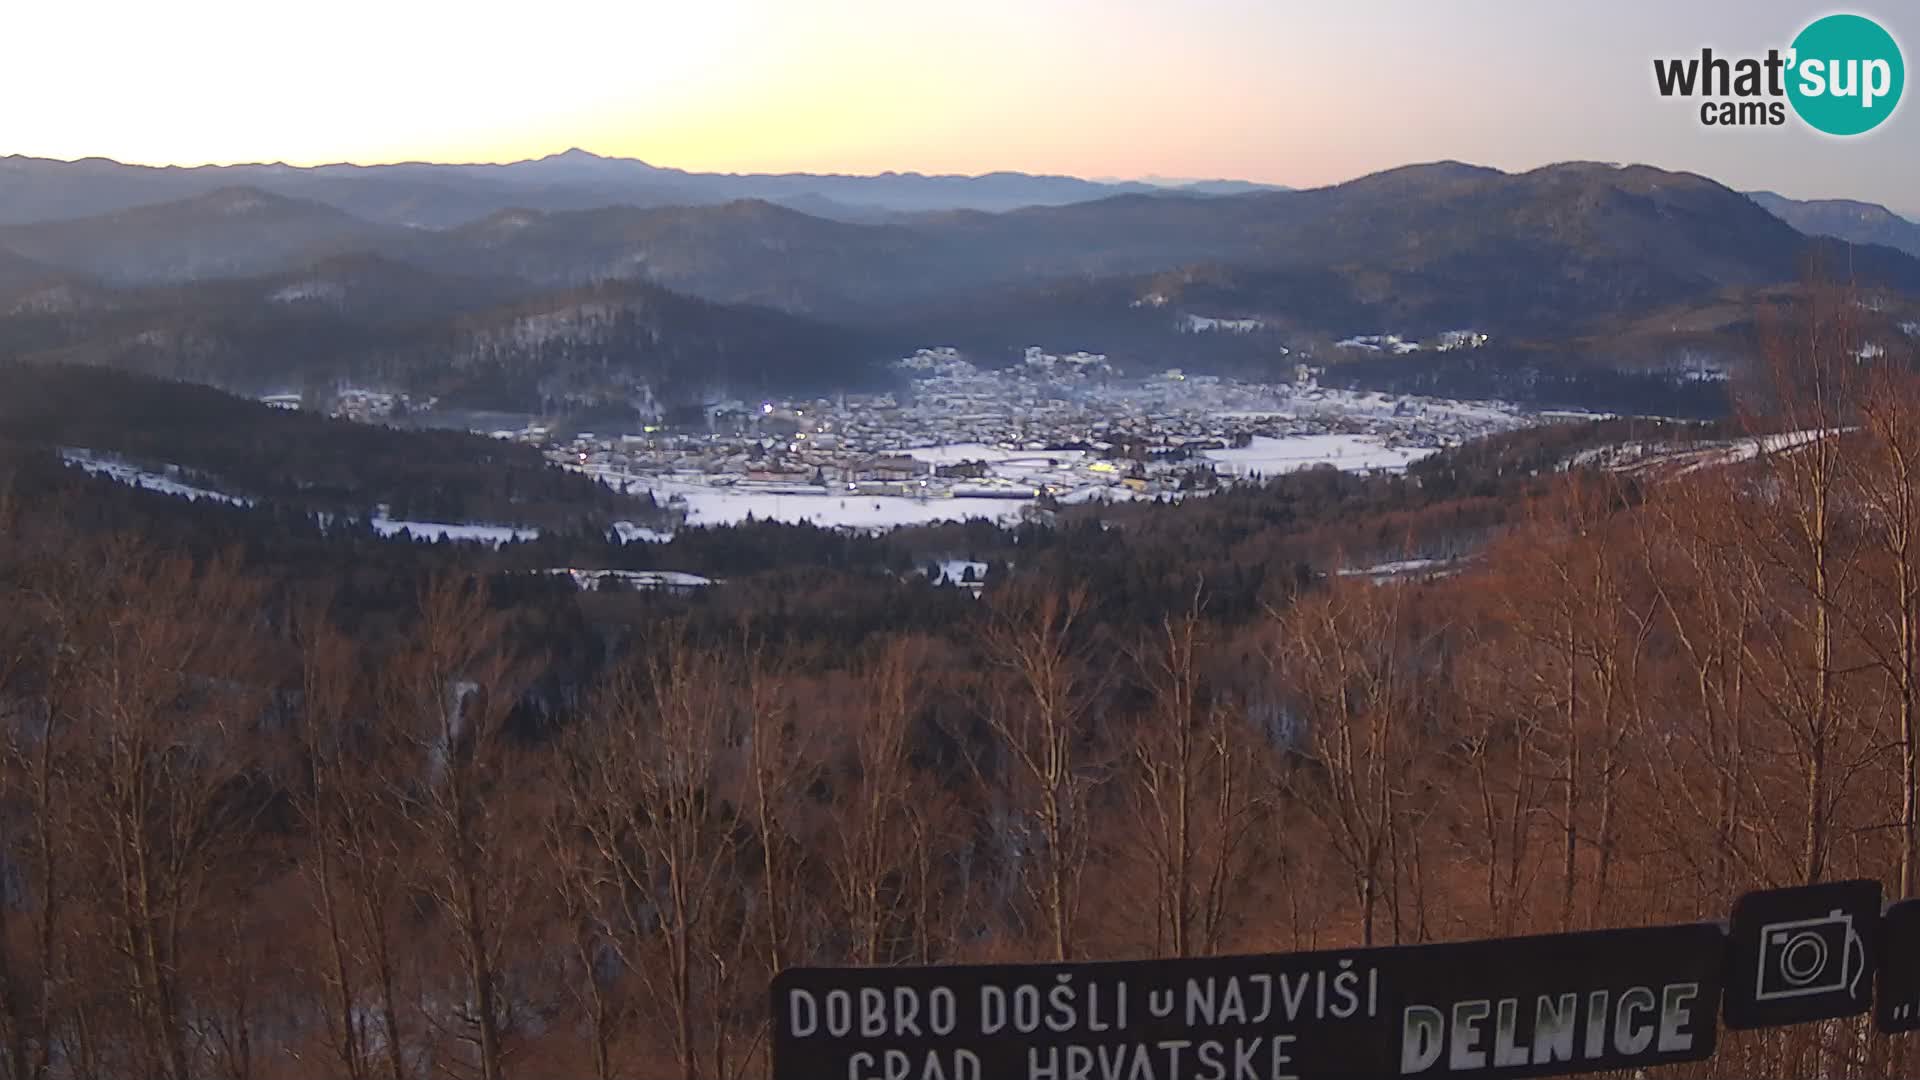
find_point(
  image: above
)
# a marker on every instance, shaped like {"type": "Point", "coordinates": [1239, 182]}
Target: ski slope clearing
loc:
{"type": "Point", "coordinates": [1665, 460]}
{"type": "Point", "coordinates": [164, 483]}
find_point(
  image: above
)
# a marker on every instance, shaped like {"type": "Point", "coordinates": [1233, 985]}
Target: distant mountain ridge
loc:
{"type": "Point", "coordinates": [441, 196]}
{"type": "Point", "coordinates": [226, 232]}
{"type": "Point", "coordinates": [1845, 219]}
{"type": "Point", "coordinates": [1565, 251]}
{"type": "Point", "coordinates": [241, 284]}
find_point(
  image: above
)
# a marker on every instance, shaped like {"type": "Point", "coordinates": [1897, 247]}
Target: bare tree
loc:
{"type": "Point", "coordinates": [645, 778]}
{"type": "Point", "coordinates": [1709, 592]}
{"type": "Point", "coordinates": [1038, 718]}
{"type": "Point", "coordinates": [1792, 523]}
{"type": "Point", "coordinates": [775, 758]}
{"type": "Point", "coordinates": [1191, 789]}
{"type": "Point", "coordinates": [578, 887]}
{"type": "Point", "coordinates": [873, 857]}
{"type": "Point", "coordinates": [1887, 477]}
{"type": "Point", "coordinates": [353, 859]}
{"type": "Point", "coordinates": [1578, 637]}
{"type": "Point", "coordinates": [450, 693]}
{"type": "Point", "coordinates": [166, 707]}
{"type": "Point", "coordinates": [43, 603]}
{"type": "Point", "coordinates": [1494, 734]}
{"type": "Point", "coordinates": [1342, 656]}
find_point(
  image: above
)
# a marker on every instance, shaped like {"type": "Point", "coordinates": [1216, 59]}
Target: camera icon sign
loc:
{"type": "Point", "coordinates": [1805, 957]}
{"type": "Point", "coordinates": [1802, 953]}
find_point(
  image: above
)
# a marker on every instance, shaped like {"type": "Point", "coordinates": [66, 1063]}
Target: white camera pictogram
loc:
{"type": "Point", "coordinates": [1804, 957]}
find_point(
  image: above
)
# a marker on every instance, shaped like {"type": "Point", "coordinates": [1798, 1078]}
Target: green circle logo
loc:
{"type": "Point", "coordinates": [1846, 74]}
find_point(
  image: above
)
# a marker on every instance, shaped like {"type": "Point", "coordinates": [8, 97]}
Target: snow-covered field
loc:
{"type": "Point", "coordinates": [671, 580]}
{"type": "Point", "coordinates": [954, 571]}
{"type": "Point", "coordinates": [1367, 403]}
{"type": "Point", "coordinates": [1073, 476]}
{"type": "Point", "coordinates": [424, 530]}
{"type": "Point", "coordinates": [1269, 456]}
{"type": "Point", "coordinates": [1015, 476]}
{"type": "Point", "coordinates": [1404, 568]}
{"type": "Point", "coordinates": [326, 291]}
{"type": "Point", "coordinates": [628, 532]}
{"type": "Point", "coordinates": [115, 469]}
{"type": "Point", "coordinates": [1201, 324]}
{"type": "Point", "coordinates": [708, 505]}
{"type": "Point", "coordinates": [453, 531]}
{"type": "Point", "coordinates": [959, 452]}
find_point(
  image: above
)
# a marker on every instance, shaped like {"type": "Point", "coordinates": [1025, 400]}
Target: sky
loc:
{"type": "Point", "coordinates": [1280, 91]}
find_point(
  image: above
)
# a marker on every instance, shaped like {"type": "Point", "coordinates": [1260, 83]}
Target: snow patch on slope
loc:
{"type": "Point", "coordinates": [166, 482]}
{"type": "Point", "coordinates": [454, 532]}
{"type": "Point", "coordinates": [331, 292]}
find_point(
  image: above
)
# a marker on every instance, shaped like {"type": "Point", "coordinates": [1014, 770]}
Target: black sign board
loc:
{"type": "Point", "coordinates": [1519, 1007]}
{"type": "Point", "coordinates": [1795, 955]}
{"type": "Point", "coordinates": [1897, 1004]}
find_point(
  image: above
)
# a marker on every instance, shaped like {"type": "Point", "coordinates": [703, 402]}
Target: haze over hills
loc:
{"type": "Point", "coordinates": [1662, 231]}
{"type": "Point", "coordinates": [227, 232]}
{"type": "Point", "coordinates": [441, 196]}
{"type": "Point", "coordinates": [1847, 219]}
{"type": "Point", "coordinates": [1447, 244]}
{"type": "Point", "coordinates": [1635, 264]}
{"type": "Point", "coordinates": [748, 251]}
{"type": "Point", "coordinates": [17, 271]}
{"type": "Point", "coordinates": [467, 340]}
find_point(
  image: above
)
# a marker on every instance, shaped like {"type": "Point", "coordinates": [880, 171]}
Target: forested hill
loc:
{"type": "Point", "coordinates": [296, 459]}
{"type": "Point", "coordinates": [482, 341]}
